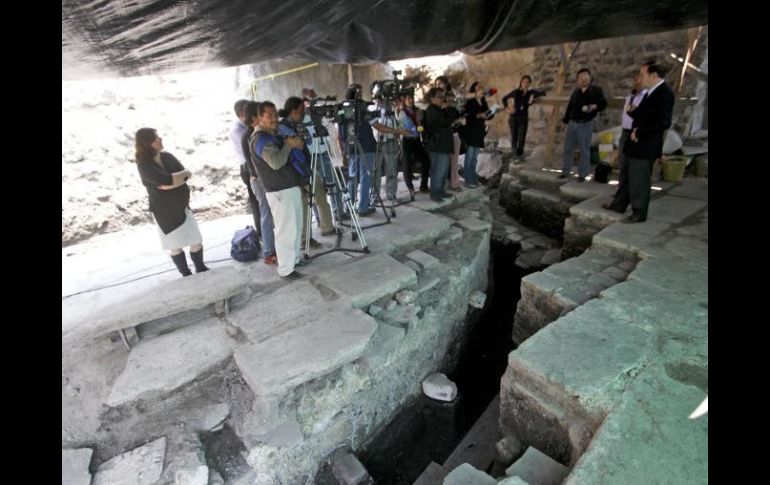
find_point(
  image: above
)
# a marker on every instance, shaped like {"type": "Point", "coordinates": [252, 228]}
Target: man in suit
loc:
{"type": "Point", "coordinates": [645, 143]}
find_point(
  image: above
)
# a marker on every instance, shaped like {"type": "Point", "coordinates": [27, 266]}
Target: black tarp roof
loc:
{"type": "Point", "coordinates": [135, 37]}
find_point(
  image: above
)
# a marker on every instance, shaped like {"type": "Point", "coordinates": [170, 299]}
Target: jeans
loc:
{"type": "Point", "coordinates": [579, 133]}
{"type": "Point", "coordinates": [265, 218]}
{"type": "Point", "coordinates": [361, 171]}
{"type": "Point", "coordinates": [439, 164]}
{"type": "Point", "coordinates": [469, 168]}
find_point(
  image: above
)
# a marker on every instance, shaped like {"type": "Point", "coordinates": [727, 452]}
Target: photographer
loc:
{"type": "Point", "coordinates": [291, 125]}
{"type": "Point", "coordinates": [273, 157]}
{"type": "Point", "coordinates": [358, 144]}
{"type": "Point", "coordinates": [318, 148]}
{"type": "Point", "coordinates": [386, 125]}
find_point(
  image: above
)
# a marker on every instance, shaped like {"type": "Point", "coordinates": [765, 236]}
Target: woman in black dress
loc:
{"type": "Point", "coordinates": [165, 179]}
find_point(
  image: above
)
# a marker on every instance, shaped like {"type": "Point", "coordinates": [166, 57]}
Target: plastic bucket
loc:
{"type": "Point", "coordinates": [673, 168]}
{"type": "Point", "coordinates": [606, 138]}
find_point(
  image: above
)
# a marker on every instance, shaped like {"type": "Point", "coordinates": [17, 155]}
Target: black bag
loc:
{"type": "Point", "coordinates": [602, 172]}
{"type": "Point", "coordinates": [245, 245]}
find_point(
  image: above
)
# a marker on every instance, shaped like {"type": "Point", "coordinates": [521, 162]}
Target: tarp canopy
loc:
{"type": "Point", "coordinates": [136, 37]}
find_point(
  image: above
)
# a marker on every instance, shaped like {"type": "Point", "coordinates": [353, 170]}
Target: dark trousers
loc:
{"type": "Point", "coordinates": [621, 199]}
{"type": "Point", "coordinates": [425, 167]}
{"type": "Point", "coordinates": [253, 202]}
{"type": "Point", "coordinates": [639, 173]}
{"type": "Point", "coordinates": [518, 127]}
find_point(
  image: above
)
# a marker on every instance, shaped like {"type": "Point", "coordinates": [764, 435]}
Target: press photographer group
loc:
{"type": "Point", "coordinates": [324, 156]}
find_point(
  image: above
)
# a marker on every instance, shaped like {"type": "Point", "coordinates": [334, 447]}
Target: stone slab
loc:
{"type": "Point", "coordinates": [473, 224]}
{"type": "Point", "coordinates": [74, 466]}
{"type": "Point", "coordinates": [101, 313]}
{"type": "Point", "coordinates": [648, 435]}
{"type": "Point", "coordinates": [674, 209]}
{"type": "Point", "coordinates": [592, 212]}
{"type": "Point", "coordinates": [536, 196]}
{"type": "Point", "coordinates": [466, 474]}
{"type": "Point", "coordinates": [537, 467]}
{"type": "Point", "coordinates": [629, 238]}
{"type": "Point", "coordinates": [140, 466]}
{"type": "Point", "coordinates": [161, 365]}
{"type": "Point", "coordinates": [692, 188]}
{"type": "Point", "coordinates": [365, 280]}
{"type": "Point", "coordinates": [410, 227]}
{"type": "Point", "coordinates": [293, 346]}
{"type": "Point", "coordinates": [424, 259]}
{"type": "Point", "coordinates": [588, 190]}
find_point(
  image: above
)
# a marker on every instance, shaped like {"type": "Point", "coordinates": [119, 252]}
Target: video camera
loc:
{"type": "Point", "coordinates": [325, 110]}
{"type": "Point", "coordinates": [392, 89]}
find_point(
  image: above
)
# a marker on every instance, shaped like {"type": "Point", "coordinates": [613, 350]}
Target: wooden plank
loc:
{"type": "Point", "coordinates": [434, 474]}
{"type": "Point", "coordinates": [478, 446]}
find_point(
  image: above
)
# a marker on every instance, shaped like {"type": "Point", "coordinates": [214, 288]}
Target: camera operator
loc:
{"type": "Point", "coordinates": [318, 148]}
{"type": "Point", "coordinates": [387, 126]}
{"type": "Point", "coordinates": [363, 148]}
{"type": "Point", "coordinates": [291, 125]}
{"type": "Point", "coordinates": [439, 142]}
{"type": "Point", "coordinates": [273, 157]}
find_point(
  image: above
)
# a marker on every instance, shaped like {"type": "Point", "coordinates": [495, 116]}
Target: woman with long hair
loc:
{"type": "Point", "coordinates": [165, 179]}
{"type": "Point", "coordinates": [476, 113]}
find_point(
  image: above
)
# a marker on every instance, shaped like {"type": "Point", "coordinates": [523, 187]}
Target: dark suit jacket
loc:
{"type": "Point", "coordinates": [651, 119]}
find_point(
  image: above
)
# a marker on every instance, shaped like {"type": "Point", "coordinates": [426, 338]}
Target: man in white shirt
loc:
{"type": "Point", "coordinates": [237, 130]}
{"type": "Point", "coordinates": [622, 199]}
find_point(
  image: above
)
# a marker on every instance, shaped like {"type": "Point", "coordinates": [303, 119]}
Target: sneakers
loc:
{"type": "Point", "coordinates": [271, 259]}
{"type": "Point", "coordinates": [292, 276]}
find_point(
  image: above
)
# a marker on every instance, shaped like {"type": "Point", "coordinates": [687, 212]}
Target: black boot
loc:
{"type": "Point", "coordinates": [197, 259]}
{"type": "Point", "coordinates": [181, 264]}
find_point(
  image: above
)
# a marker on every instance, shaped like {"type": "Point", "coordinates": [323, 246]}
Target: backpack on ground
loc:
{"type": "Point", "coordinates": [245, 245]}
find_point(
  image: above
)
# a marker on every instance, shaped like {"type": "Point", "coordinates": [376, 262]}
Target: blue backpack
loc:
{"type": "Point", "coordinates": [245, 245]}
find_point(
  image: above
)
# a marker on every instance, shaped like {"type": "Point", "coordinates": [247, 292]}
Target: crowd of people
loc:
{"type": "Point", "coordinates": [274, 148]}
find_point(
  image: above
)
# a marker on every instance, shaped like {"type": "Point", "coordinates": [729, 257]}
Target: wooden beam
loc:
{"type": "Point", "coordinates": [692, 42]}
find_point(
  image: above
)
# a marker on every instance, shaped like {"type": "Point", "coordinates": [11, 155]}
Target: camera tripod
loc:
{"type": "Point", "coordinates": [335, 188]}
